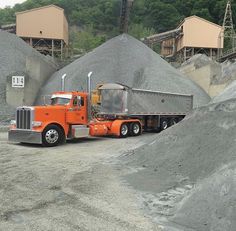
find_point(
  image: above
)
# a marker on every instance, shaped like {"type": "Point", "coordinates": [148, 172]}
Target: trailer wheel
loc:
{"type": "Point", "coordinates": [52, 136]}
{"type": "Point", "coordinates": [164, 124]}
{"type": "Point", "coordinates": [135, 129]}
{"type": "Point", "coordinates": [173, 121]}
{"type": "Point", "coordinates": [124, 130]}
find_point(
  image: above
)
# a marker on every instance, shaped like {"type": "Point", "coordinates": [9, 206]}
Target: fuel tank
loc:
{"type": "Point", "coordinates": [98, 130]}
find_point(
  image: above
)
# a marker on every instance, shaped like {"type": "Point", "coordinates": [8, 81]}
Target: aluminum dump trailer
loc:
{"type": "Point", "coordinates": [117, 99]}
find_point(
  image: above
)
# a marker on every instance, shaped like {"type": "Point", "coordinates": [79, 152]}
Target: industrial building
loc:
{"type": "Point", "coordinates": [45, 29]}
{"type": "Point", "coordinates": [194, 35]}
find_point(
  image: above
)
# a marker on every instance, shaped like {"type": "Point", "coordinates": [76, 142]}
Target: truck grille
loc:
{"type": "Point", "coordinates": [23, 118]}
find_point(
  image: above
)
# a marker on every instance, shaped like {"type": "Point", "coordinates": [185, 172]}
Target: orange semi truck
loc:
{"type": "Point", "coordinates": [123, 112]}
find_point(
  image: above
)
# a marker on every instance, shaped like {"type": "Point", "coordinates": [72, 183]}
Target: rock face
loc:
{"type": "Point", "coordinates": [186, 174]}
{"type": "Point", "coordinates": [17, 58]}
{"type": "Point", "coordinates": [128, 61]}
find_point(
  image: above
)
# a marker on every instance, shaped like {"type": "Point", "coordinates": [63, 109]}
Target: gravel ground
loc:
{"type": "Point", "coordinates": [128, 61]}
{"type": "Point", "coordinates": [76, 186]}
{"type": "Point", "coordinates": [186, 175]}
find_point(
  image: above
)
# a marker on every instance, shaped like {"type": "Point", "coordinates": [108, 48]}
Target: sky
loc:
{"type": "Point", "coordinates": [4, 3]}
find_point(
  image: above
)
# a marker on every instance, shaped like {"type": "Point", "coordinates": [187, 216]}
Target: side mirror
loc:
{"type": "Point", "coordinates": [79, 100]}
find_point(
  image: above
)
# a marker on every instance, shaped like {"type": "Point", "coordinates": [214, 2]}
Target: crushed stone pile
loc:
{"type": "Point", "coordinates": [223, 72]}
{"type": "Point", "coordinates": [128, 61]}
{"type": "Point", "coordinates": [228, 93]}
{"type": "Point", "coordinates": [228, 71]}
{"type": "Point", "coordinates": [13, 53]}
{"type": "Point", "coordinates": [198, 61]}
{"type": "Point", "coordinates": [186, 174]}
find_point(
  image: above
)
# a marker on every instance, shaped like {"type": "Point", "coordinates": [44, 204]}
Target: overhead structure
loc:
{"type": "Point", "coordinates": [126, 6]}
{"type": "Point", "coordinates": [184, 42]}
{"type": "Point", "coordinates": [10, 28]}
{"type": "Point", "coordinates": [228, 35]}
{"type": "Point", "coordinates": [228, 24]}
{"type": "Point", "coordinates": [157, 38]}
{"type": "Point", "coordinates": [44, 28]}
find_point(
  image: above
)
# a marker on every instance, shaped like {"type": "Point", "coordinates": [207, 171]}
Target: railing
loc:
{"type": "Point", "coordinates": [228, 53]}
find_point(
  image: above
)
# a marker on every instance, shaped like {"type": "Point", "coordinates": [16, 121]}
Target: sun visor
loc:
{"type": "Point", "coordinates": [112, 86]}
{"type": "Point", "coordinates": [65, 96]}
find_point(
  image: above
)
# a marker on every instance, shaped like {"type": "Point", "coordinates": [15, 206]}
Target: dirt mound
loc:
{"type": "Point", "coordinates": [128, 61]}
{"type": "Point", "coordinates": [186, 173]}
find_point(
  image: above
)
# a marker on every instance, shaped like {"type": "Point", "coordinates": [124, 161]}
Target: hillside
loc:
{"type": "Point", "coordinates": [100, 18]}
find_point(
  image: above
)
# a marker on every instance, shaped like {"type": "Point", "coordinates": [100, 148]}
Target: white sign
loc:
{"type": "Point", "coordinates": [18, 81]}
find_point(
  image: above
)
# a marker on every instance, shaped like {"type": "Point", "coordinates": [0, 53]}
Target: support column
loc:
{"type": "Point", "coordinates": [192, 51]}
{"type": "Point", "coordinates": [31, 42]}
{"type": "Point", "coordinates": [174, 47]}
{"type": "Point", "coordinates": [62, 45]}
{"type": "Point", "coordinates": [52, 48]}
{"type": "Point", "coordinates": [185, 55]}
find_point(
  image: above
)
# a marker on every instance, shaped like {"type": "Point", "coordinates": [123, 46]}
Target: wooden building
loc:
{"type": "Point", "coordinates": [45, 29]}
{"type": "Point", "coordinates": [199, 36]}
{"type": "Point", "coordinates": [195, 35]}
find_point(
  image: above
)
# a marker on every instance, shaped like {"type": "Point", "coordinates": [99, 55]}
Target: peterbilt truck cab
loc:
{"type": "Point", "coordinates": [64, 118]}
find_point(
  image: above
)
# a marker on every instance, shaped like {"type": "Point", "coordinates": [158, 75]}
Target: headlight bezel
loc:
{"type": "Point", "coordinates": [13, 122]}
{"type": "Point", "coordinates": [36, 124]}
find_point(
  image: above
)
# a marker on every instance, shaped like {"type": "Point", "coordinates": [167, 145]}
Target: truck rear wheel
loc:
{"type": "Point", "coordinates": [52, 136]}
{"type": "Point", "coordinates": [173, 121]}
{"type": "Point", "coordinates": [124, 130]}
{"type": "Point", "coordinates": [164, 124]}
{"type": "Point", "coordinates": [135, 129]}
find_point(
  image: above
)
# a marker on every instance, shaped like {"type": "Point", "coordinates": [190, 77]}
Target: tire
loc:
{"type": "Point", "coordinates": [52, 136]}
{"type": "Point", "coordinates": [164, 124]}
{"type": "Point", "coordinates": [135, 129]}
{"type": "Point", "coordinates": [173, 121]}
{"type": "Point", "coordinates": [124, 130]}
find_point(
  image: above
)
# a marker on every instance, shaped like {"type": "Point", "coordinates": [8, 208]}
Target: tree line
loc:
{"type": "Point", "coordinates": [95, 21]}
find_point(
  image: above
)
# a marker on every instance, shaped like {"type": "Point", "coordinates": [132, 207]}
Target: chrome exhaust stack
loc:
{"type": "Point", "coordinates": [89, 94]}
{"type": "Point", "coordinates": [63, 86]}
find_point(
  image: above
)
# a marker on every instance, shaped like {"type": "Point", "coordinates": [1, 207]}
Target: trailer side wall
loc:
{"type": "Point", "coordinates": [128, 102]}
{"type": "Point", "coordinates": [148, 102]}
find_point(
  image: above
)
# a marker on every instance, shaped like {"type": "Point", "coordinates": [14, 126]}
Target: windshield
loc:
{"type": "Point", "coordinates": [60, 101]}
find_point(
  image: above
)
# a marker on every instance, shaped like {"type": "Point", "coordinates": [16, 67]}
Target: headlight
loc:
{"type": "Point", "coordinates": [36, 123]}
{"type": "Point", "coordinates": [13, 122]}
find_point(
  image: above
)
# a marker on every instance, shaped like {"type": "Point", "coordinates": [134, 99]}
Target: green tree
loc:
{"type": "Point", "coordinates": [103, 15]}
{"type": "Point", "coordinates": [161, 16]}
{"type": "Point", "coordinates": [86, 40]}
{"type": "Point", "coordinates": [139, 31]}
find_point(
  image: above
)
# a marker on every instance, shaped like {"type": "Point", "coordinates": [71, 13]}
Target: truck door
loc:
{"type": "Point", "coordinates": [76, 113]}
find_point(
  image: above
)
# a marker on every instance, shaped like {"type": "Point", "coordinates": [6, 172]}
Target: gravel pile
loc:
{"type": "Point", "coordinates": [224, 72]}
{"type": "Point", "coordinates": [13, 54]}
{"type": "Point", "coordinates": [128, 61]}
{"type": "Point", "coordinates": [186, 174]}
{"type": "Point", "coordinates": [198, 60]}
{"type": "Point", "coordinates": [228, 71]}
{"type": "Point", "coordinates": [228, 93]}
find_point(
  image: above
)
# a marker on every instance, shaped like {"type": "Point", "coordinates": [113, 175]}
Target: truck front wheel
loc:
{"type": "Point", "coordinates": [52, 136]}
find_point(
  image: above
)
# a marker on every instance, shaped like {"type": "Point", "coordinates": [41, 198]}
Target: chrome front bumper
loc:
{"type": "Point", "coordinates": [25, 136]}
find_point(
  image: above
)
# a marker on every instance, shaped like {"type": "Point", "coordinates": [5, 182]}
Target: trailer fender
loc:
{"type": "Point", "coordinates": [115, 127]}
